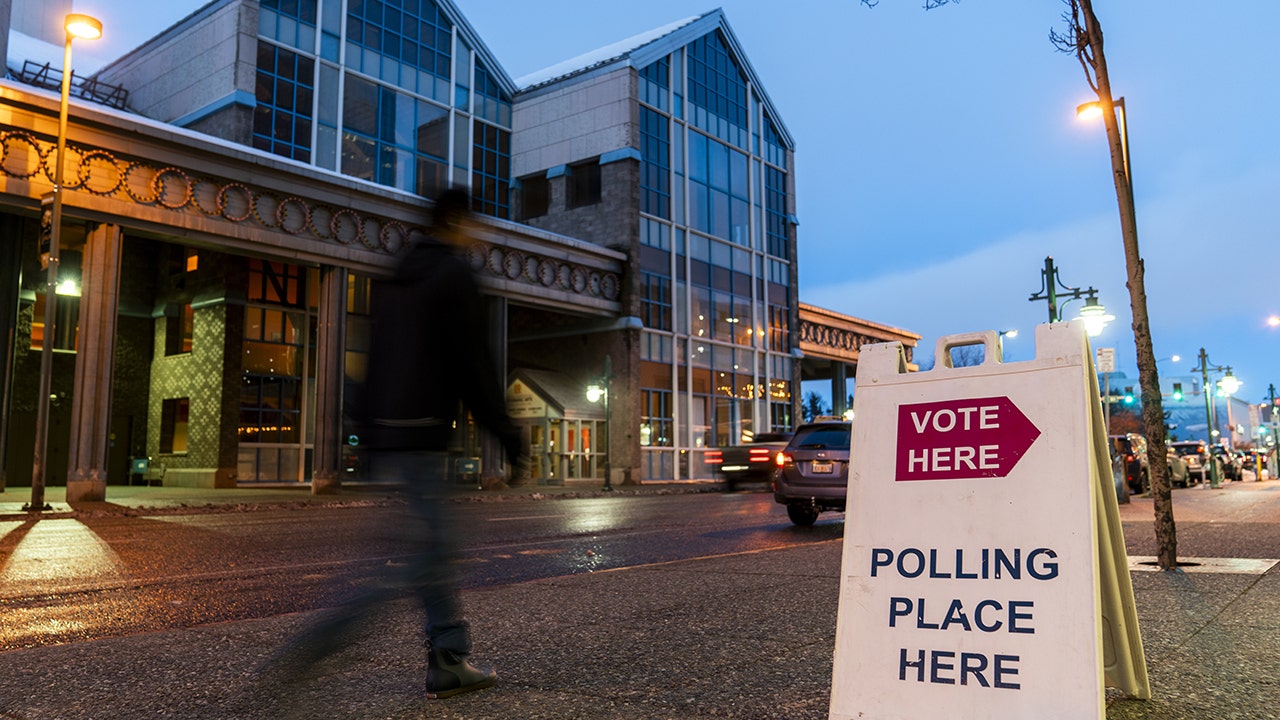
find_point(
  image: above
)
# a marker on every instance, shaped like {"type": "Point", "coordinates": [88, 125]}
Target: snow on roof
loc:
{"type": "Point", "coordinates": [601, 55]}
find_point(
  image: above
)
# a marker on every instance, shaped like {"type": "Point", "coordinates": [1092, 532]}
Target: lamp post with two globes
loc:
{"type": "Point", "coordinates": [87, 28]}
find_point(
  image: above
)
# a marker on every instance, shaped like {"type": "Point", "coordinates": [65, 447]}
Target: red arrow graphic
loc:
{"type": "Point", "coordinates": [968, 438]}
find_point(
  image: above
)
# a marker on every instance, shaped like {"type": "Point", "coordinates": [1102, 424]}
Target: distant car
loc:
{"type": "Point", "coordinates": [752, 461]}
{"type": "Point", "coordinates": [1196, 455]}
{"type": "Point", "coordinates": [1132, 448]}
{"type": "Point", "coordinates": [813, 471]}
{"type": "Point", "coordinates": [1179, 474]}
{"type": "Point", "coordinates": [1229, 461]}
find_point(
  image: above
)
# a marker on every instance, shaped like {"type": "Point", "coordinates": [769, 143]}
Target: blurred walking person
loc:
{"type": "Point", "coordinates": [429, 356]}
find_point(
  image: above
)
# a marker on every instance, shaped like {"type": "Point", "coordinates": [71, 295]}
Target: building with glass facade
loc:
{"type": "Point", "coordinates": [638, 235]}
{"type": "Point", "coordinates": [667, 145]}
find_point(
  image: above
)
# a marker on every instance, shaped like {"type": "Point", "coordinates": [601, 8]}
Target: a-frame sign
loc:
{"type": "Point", "coordinates": [984, 572]}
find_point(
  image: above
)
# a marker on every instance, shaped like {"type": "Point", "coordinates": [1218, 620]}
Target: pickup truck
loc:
{"type": "Point", "coordinates": [752, 461]}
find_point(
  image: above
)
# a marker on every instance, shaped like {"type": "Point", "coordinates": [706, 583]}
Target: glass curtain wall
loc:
{"type": "Point", "coordinates": [278, 369]}
{"type": "Point", "coordinates": [716, 356]}
{"type": "Point", "coordinates": [389, 93]}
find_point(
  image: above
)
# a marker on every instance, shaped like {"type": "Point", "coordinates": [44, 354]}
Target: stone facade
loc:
{"type": "Point", "coordinates": [569, 124]}
{"type": "Point", "coordinates": [209, 60]}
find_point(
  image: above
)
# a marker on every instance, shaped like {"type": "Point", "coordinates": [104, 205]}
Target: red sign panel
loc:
{"type": "Point", "coordinates": [958, 439]}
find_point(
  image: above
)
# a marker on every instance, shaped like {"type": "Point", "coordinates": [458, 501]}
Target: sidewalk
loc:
{"type": "Point", "coordinates": [133, 499]}
{"type": "Point", "coordinates": [748, 635]}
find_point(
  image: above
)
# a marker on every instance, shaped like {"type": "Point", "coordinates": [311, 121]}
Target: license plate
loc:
{"type": "Point", "coordinates": [822, 467]}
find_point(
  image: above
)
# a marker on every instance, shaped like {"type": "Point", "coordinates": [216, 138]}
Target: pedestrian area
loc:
{"type": "Point", "coordinates": [696, 639]}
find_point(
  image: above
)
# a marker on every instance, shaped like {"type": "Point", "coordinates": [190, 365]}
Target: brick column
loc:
{"type": "Point", "coordinates": [95, 355]}
{"type": "Point", "coordinates": [326, 472]}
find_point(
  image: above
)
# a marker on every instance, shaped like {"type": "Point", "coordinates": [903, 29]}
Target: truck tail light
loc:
{"type": "Point", "coordinates": [759, 454]}
{"type": "Point", "coordinates": [714, 457]}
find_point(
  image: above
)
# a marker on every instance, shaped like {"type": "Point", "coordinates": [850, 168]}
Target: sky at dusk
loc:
{"type": "Point", "coordinates": [939, 159]}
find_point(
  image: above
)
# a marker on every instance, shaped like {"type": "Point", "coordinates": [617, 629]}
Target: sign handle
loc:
{"type": "Point", "coordinates": [988, 339]}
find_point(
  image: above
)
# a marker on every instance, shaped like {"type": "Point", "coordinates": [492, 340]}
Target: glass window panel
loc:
{"type": "Point", "coordinates": [698, 157]}
{"type": "Point", "coordinates": [737, 174]}
{"type": "Point", "coordinates": [358, 156]}
{"type": "Point", "coordinates": [699, 208]}
{"type": "Point", "coordinates": [718, 165]}
{"type": "Point", "coordinates": [360, 106]}
{"type": "Point", "coordinates": [326, 147]}
{"type": "Point", "coordinates": [327, 111]}
{"type": "Point", "coordinates": [720, 214]}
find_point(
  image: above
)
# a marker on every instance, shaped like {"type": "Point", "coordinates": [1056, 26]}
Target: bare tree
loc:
{"type": "Point", "coordinates": [1082, 37]}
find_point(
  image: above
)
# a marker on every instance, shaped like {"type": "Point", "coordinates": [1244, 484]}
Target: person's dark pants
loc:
{"type": "Point", "coordinates": [426, 532]}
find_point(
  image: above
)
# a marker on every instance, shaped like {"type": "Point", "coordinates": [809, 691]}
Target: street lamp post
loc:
{"type": "Point", "coordinates": [595, 393]}
{"type": "Point", "coordinates": [1052, 288]}
{"type": "Point", "coordinates": [1115, 117]}
{"type": "Point", "coordinates": [88, 28]}
{"type": "Point", "coordinates": [1203, 369]}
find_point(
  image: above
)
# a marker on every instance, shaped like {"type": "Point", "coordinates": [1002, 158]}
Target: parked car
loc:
{"type": "Point", "coordinates": [1179, 474]}
{"type": "Point", "coordinates": [751, 461]}
{"type": "Point", "coordinates": [1230, 462]}
{"type": "Point", "coordinates": [1196, 455]}
{"type": "Point", "coordinates": [1132, 448]}
{"type": "Point", "coordinates": [813, 471]}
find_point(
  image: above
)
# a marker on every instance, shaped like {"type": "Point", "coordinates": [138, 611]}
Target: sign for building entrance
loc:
{"type": "Point", "coordinates": [984, 572]}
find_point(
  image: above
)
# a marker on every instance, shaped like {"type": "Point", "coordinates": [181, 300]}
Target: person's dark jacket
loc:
{"type": "Point", "coordinates": [430, 351]}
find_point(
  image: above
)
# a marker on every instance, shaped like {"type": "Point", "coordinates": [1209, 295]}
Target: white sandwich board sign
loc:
{"type": "Point", "coordinates": [984, 572]}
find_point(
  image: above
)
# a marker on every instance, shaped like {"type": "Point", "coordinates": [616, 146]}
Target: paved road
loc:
{"type": "Point", "coordinates": [71, 579]}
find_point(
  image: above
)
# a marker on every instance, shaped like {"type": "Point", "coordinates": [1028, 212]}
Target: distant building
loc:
{"type": "Point", "coordinates": [1235, 420]}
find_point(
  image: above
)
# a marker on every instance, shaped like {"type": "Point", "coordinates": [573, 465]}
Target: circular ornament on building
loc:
{"type": "Point", "coordinates": [512, 265]}
{"type": "Point", "coordinates": [593, 284]}
{"type": "Point", "coordinates": [393, 236]}
{"type": "Point", "coordinates": [578, 280]}
{"type": "Point", "coordinates": [609, 286]}
{"type": "Point", "coordinates": [300, 212]}
{"type": "Point", "coordinates": [235, 202]}
{"type": "Point", "coordinates": [208, 190]}
{"type": "Point", "coordinates": [495, 259]}
{"type": "Point", "coordinates": [345, 226]}
{"type": "Point", "coordinates": [370, 233]}
{"type": "Point", "coordinates": [172, 195]}
{"type": "Point", "coordinates": [564, 276]}
{"type": "Point", "coordinates": [531, 268]}
{"type": "Point", "coordinates": [476, 254]}
{"type": "Point", "coordinates": [85, 174]}
{"type": "Point", "coordinates": [10, 155]}
{"type": "Point", "coordinates": [546, 273]}
{"type": "Point", "coordinates": [272, 206]}
{"type": "Point", "coordinates": [74, 158]}
{"type": "Point", "coordinates": [129, 180]}
{"type": "Point", "coordinates": [320, 221]}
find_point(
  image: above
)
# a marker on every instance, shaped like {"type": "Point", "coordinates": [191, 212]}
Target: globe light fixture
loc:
{"type": "Point", "coordinates": [1095, 317]}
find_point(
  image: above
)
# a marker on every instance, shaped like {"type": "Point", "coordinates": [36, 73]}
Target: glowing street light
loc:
{"type": "Point", "coordinates": [86, 28]}
{"type": "Point", "coordinates": [596, 392]}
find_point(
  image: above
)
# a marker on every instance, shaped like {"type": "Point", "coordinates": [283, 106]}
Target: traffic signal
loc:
{"type": "Point", "coordinates": [1177, 391]}
{"type": "Point", "coordinates": [1128, 395]}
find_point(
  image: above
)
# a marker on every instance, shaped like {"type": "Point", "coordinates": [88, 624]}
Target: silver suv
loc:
{"type": "Point", "coordinates": [813, 471]}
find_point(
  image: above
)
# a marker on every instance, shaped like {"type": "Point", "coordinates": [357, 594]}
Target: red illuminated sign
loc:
{"type": "Point", "coordinates": [958, 439]}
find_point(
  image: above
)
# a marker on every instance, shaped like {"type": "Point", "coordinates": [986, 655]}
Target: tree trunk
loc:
{"type": "Point", "coordinates": [1152, 407]}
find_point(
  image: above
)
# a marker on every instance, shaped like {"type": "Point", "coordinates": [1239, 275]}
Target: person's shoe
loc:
{"type": "Point", "coordinates": [449, 674]}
